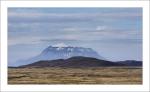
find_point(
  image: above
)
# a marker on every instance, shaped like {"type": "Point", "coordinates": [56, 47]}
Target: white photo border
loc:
{"type": "Point", "coordinates": [67, 88]}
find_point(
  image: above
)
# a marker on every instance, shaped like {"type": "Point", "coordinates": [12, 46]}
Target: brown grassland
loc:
{"type": "Point", "coordinates": [101, 75]}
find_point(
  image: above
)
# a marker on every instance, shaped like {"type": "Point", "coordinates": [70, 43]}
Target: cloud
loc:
{"type": "Point", "coordinates": [74, 35]}
{"type": "Point", "coordinates": [99, 28]}
{"type": "Point", "coordinates": [37, 26]}
{"type": "Point", "coordinates": [41, 17]}
{"type": "Point", "coordinates": [60, 45]}
{"type": "Point", "coordinates": [22, 40]}
{"type": "Point", "coordinates": [27, 16]}
{"type": "Point", "coordinates": [61, 40]}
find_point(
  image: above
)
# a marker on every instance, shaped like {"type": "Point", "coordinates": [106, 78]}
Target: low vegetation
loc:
{"type": "Point", "coordinates": [95, 75]}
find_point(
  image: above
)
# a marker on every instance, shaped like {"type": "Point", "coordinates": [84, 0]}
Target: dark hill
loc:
{"type": "Point", "coordinates": [131, 63]}
{"type": "Point", "coordinates": [77, 61]}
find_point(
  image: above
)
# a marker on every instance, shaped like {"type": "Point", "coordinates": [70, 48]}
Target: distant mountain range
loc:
{"type": "Point", "coordinates": [55, 56]}
{"type": "Point", "coordinates": [56, 52]}
{"type": "Point", "coordinates": [131, 63]}
{"type": "Point", "coordinates": [80, 61]}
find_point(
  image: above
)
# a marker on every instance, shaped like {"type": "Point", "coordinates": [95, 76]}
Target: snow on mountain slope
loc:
{"type": "Point", "coordinates": [62, 52]}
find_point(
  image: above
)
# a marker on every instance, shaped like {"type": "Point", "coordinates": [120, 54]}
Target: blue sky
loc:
{"type": "Point", "coordinates": [115, 33]}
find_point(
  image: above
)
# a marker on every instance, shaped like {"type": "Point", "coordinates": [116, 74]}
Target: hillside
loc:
{"type": "Point", "coordinates": [77, 61]}
{"type": "Point", "coordinates": [131, 63]}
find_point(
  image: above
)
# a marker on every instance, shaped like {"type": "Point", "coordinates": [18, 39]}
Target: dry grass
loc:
{"type": "Point", "coordinates": [101, 75]}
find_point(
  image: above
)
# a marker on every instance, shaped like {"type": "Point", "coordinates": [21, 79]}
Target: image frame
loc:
{"type": "Point", "coordinates": [6, 87]}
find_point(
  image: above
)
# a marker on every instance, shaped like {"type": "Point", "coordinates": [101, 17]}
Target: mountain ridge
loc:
{"type": "Point", "coordinates": [77, 61]}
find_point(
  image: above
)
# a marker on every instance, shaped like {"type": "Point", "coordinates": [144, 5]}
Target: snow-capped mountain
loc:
{"type": "Point", "coordinates": [67, 52]}
{"type": "Point", "coordinates": [62, 52]}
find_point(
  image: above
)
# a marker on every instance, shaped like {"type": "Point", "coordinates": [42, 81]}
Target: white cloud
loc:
{"type": "Point", "coordinates": [99, 28]}
{"type": "Point", "coordinates": [60, 45]}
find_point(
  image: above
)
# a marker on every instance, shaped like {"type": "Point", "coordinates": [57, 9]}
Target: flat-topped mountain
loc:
{"type": "Point", "coordinates": [57, 52]}
{"type": "Point", "coordinates": [51, 52]}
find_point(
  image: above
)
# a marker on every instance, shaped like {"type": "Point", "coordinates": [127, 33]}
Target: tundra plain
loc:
{"type": "Point", "coordinates": [88, 75]}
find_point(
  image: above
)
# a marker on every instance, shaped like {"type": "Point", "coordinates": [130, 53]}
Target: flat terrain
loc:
{"type": "Point", "coordinates": [101, 75]}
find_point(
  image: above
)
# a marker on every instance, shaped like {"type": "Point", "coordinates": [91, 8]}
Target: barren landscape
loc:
{"type": "Point", "coordinates": [93, 75]}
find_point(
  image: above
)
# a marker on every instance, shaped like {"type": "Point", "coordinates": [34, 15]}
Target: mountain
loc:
{"type": "Point", "coordinates": [54, 52]}
{"type": "Point", "coordinates": [131, 63]}
{"type": "Point", "coordinates": [77, 61]}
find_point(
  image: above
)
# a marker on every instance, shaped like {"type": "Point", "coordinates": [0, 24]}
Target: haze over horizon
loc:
{"type": "Point", "coordinates": [115, 33]}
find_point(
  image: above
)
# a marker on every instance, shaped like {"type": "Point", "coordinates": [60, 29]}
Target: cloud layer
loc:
{"type": "Point", "coordinates": [91, 27]}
